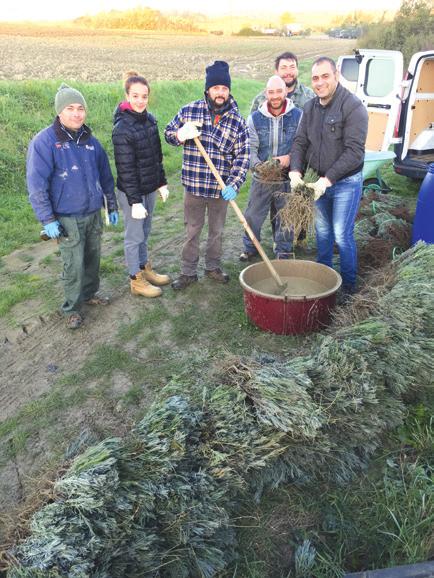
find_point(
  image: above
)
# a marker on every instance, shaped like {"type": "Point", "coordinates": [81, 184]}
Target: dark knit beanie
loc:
{"type": "Point", "coordinates": [217, 74]}
{"type": "Point", "coordinates": [66, 96]}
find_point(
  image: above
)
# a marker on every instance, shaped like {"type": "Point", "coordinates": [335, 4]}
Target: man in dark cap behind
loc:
{"type": "Point", "coordinates": [68, 176]}
{"type": "Point", "coordinates": [224, 135]}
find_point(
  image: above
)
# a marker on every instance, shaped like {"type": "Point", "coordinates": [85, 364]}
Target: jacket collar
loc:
{"type": "Point", "coordinates": [263, 109]}
{"type": "Point", "coordinates": [125, 112]}
{"type": "Point", "coordinates": [63, 135]}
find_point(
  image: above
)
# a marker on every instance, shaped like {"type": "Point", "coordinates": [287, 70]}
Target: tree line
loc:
{"type": "Point", "coordinates": [138, 19]}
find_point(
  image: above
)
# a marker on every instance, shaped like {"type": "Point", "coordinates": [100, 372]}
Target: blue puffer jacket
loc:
{"type": "Point", "coordinates": [65, 177]}
{"type": "Point", "coordinates": [272, 136]}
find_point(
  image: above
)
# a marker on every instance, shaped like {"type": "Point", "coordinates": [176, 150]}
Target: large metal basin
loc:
{"type": "Point", "coordinates": [290, 314]}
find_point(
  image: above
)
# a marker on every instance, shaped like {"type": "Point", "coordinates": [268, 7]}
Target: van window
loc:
{"type": "Point", "coordinates": [350, 69]}
{"type": "Point", "coordinates": [380, 77]}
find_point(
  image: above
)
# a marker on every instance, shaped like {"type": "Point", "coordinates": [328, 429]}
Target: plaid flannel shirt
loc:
{"type": "Point", "coordinates": [227, 144]}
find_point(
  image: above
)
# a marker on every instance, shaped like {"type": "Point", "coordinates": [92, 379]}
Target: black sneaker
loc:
{"type": "Point", "coordinates": [217, 275]}
{"type": "Point", "coordinates": [349, 289]}
{"type": "Point", "coordinates": [346, 293]}
{"type": "Point", "coordinates": [246, 256]}
{"type": "Point", "coordinates": [183, 281]}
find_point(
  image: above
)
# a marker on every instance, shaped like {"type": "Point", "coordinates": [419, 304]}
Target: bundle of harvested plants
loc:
{"type": "Point", "coordinates": [269, 171]}
{"type": "Point", "coordinates": [298, 215]}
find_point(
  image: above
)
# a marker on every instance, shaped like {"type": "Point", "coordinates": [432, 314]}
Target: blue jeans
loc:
{"type": "Point", "coordinates": [136, 232]}
{"type": "Point", "coordinates": [260, 197]}
{"type": "Point", "coordinates": [335, 216]}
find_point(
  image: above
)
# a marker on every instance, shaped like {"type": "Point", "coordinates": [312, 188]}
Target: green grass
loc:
{"type": "Point", "coordinates": [27, 107]}
{"type": "Point", "coordinates": [72, 390]}
{"type": "Point", "coordinates": [383, 519]}
{"type": "Point", "coordinates": [21, 288]}
{"type": "Point", "coordinates": [149, 319]}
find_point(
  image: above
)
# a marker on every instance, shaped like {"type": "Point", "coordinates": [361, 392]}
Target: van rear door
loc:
{"type": "Point", "coordinates": [375, 76]}
{"type": "Point", "coordinates": [417, 128]}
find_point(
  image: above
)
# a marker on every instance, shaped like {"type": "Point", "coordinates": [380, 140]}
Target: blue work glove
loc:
{"type": "Point", "coordinates": [229, 193]}
{"type": "Point", "coordinates": [114, 218]}
{"type": "Point", "coordinates": [53, 229]}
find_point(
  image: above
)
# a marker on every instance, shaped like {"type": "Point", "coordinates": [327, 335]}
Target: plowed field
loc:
{"type": "Point", "coordinates": [103, 57]}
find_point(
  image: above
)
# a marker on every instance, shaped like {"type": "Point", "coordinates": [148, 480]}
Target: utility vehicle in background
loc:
{"type": "Point", "coordinates": [401, 111]}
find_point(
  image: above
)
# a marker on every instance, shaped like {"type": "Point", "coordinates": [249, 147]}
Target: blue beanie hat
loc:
{"type": "Point", "coordinates": [217, 74]}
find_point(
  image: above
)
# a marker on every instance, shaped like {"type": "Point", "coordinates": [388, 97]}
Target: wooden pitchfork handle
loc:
{"type": "Point", "coordinates": [281, 285]}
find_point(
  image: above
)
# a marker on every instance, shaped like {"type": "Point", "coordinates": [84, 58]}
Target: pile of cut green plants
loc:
{"type": "Point", "coordinates": [163, 501]}
{"type": "Point", "coordinates": [382, 229]}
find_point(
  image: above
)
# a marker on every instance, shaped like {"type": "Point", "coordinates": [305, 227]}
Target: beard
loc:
{"type": "Point", "coordinates": [276, 104]}
{"type": "Point", "coordinates": [290, 83]}
{"type": "Point", "coordinates": [218, 102]}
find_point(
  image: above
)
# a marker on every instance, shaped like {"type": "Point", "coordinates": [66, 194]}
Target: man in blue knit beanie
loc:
{"type": "Point", "coordinates": [224, 135]}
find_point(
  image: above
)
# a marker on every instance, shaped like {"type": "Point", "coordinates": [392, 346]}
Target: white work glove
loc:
{"type": "Point", "coordinates": [295, 179]}
{"type": "Point", "coordinates": [164, 193]}
{"type": "Point", "coordinates": [319, 187]}
{"type": "Point", "coordinates": [138, 211]}
{"type": "Point", "coordinates": [188, 131]}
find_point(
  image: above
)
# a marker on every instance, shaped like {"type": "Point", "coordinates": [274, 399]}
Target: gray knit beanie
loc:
{"type": "Point", "coordinates": [66, 96]}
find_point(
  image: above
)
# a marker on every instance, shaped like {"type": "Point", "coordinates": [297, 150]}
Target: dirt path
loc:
{"type": "Point", "coordinates": [43, 407]}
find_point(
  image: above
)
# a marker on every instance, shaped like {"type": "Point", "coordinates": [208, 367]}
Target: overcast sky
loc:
{"type": "Point", "coordinates": [58, 10]}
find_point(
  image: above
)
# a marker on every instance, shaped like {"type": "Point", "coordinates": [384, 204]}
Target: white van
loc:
{"type": "Point", "coordinates": [401, 111]}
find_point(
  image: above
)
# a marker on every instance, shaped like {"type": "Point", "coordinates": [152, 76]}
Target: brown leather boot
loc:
{"type": "Point", "coordinates": [217, 275]}
{"type": "Point", "coordinates": [139, 286]}
{"type": "Point", "coordinates": [183, 281]}
{"type": "Point", "coordinates": [155, 278]}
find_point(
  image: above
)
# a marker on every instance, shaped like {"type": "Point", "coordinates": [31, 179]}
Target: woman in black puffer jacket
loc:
{"type": "Point", "coordinates": [140, 175]}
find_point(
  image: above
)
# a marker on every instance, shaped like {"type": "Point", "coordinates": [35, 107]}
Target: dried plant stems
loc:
{"type": "Point", "coordinates": [269, 171]}
{"type": "Point", "coordinates": [298, 215]}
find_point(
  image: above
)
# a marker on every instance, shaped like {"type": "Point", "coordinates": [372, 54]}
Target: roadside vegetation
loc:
{"type": "Point", "coordinates": [411, 30]}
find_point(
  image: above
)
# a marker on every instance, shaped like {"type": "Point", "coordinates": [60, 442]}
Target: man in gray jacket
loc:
{"type": "Point", "coordinates": [331, 140]}
{"type": "Point", "coordinates": [271, 129]}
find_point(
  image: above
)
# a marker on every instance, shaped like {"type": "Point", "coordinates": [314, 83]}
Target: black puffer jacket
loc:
{"type": "Point", "coordinates": [138, 155]}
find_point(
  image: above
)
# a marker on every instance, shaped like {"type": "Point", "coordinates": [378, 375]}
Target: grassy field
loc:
{"type": "Point", "coordinates": [29, 106]}
{"type": "Point", "coordinates": [61, 390]}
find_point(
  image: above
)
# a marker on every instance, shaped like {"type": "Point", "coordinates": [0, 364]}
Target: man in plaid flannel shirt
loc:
{"type": "Point", "coordinates": [224, 135]}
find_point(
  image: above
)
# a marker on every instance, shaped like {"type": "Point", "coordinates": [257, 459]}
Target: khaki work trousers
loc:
{"type": "Point", "coordinates": [81, 253]}
{"type": "Point", "coordinates": [195, 210]}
